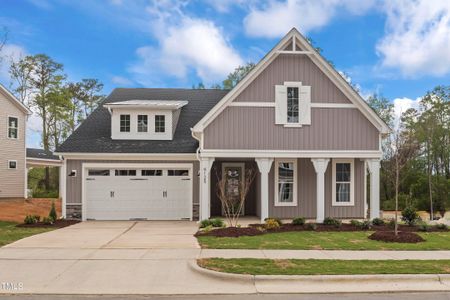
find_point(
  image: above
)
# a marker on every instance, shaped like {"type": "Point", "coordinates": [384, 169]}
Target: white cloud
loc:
{"type": "Point", "coordinates": [403, 104]}
{"type": "Point", "coordinates": [122, 81]}
{"type": "Point", "coordinates": [275, 19]}
{"type": "Point", "coordinates": [185, 45]}
{"type": "Point", "coordinates": [9, 53]}
{"type": "Point", "coordinates": [417, 40]}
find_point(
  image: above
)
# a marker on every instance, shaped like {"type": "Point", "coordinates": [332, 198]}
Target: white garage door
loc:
{"type": "Point", "coordinates": [150, 193]}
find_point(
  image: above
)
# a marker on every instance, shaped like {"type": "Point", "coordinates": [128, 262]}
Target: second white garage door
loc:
{"type": "Point", "coordinates": [149, 193]}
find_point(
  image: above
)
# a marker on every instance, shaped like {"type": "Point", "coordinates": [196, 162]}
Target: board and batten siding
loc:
{"type": "Point", "coordinates": [306, 194]}
{"type": "Point", "coordinates": [12, 181]}
{"type": "Point", "coordinates": [73, 184]}
{"type": "Point", "coordinates": [255, 128]}
{"type": "Point", "coordinates": [297, 68]}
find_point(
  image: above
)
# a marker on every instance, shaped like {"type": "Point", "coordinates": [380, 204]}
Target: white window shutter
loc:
{"type": "Point", "coordinates": [305, 105]}
{"type": "Point", "coordinates": [280, 104]}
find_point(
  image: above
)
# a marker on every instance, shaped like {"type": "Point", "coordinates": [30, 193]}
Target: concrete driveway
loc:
{"type": "Point", "coordinates": [148, 257]}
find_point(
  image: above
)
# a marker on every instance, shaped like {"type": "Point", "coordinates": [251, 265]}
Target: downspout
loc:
{"type": "Point", "coordinates": [197, 152]}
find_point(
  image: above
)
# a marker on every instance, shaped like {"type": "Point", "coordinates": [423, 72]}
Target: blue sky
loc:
{"type": "Point", "coordinates": [399, 48]}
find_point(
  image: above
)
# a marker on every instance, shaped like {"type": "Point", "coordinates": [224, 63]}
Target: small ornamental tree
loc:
{"type": "Point", "coordinates": [231, 205]}
{"type": "Point", "coordinates": [52, 214]}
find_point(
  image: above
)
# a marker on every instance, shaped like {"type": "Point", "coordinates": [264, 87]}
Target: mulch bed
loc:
{"type": "Point", "coordinates": [57, 224]}
{"type": "Point", "coordinates": [255, 229]}
{"type": "Point", "coordinates": [402, 237]}
{"type": "Point", "coordinates": [231, 232]}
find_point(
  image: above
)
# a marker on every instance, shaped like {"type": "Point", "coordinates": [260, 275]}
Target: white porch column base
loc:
{"type": "Point", "coordinates": [320, 165]}
{"type": "Point", "coordinates": [205, 187]}
{"type": "Point", "coordinates": [264, 166]}
{"type": "Point", "coordinates": [374, 169]}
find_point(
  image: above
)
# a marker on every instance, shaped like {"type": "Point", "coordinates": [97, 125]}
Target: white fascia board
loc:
{"type": "Point", "coordinates": [290, 154]}
{"type": "Point", "coordinates": [15, 100]}
{"type": "Point", "coordinates": [220, 106]}
{"type": "Point", "coordinates": [128, 156]}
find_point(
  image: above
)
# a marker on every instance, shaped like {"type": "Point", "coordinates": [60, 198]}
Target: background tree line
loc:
{"type": "Point", "coordinates": [416, 155]}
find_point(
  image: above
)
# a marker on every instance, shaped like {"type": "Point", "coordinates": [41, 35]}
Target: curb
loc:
{"type": "Point", "coordinates": [335, 283]}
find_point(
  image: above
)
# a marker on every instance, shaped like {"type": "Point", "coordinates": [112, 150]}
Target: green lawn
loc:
{"type": "Point", "coordinates": [10, 233]}
{"type": "Point", "coordinates": [309, 240]}
{"type": "Point", "coordinates": [257, 266]}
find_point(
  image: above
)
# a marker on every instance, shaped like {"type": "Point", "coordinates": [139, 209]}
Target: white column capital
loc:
{"type": "Point", "coordinates": [320, 164]}
{"type": "Point", "coordinates": [373, 165]}
{"type": "Point", "coordinates": [264, 164]}
{"type": "Point", "coordinates": [206, 163]}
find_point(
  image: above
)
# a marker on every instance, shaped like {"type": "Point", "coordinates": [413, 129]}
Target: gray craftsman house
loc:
{"type": "Point", "coordinates": [158, 154]}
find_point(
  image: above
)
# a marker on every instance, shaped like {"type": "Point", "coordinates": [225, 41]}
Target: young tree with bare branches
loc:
{"type": "Point", "coordinates": [232, 205]}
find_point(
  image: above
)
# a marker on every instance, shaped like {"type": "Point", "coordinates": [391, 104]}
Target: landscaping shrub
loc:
{"type": "Point", "coordinates": [332, 222]}
{"type": "Point", "coordinates": [52, 214]}
{"type": "Point", "coordinates": [207, 229]}
{"type": "Point", "coordinates": [29, 219]}
{"type": "Point", "coordinates": [409, 215]}
{"type": "Point", "coordinates": [442, 226]}
{"type": "Point", "coordinates": [391, 223]}
{"type": "Point", "coordinates": [272, 223]}
{"type": "Point", "coordinates": [311, 226]}
{"type": "Point", "coordinates": [299, 221]}
{"type": "Point", "coordinates": [217, 222]}
{"type": "Point", "coordinates": [48, 221]}
{"type": "Point", "coordinates": [424, 227]}
{"type": "Point", "coordinates": [365, 225]}
{"type": "Point", "coordinates": [355, 223]}
{"type": "Point", "coordinates": [378, 222]}
{"type": "Point", "coordinates": [205, 223]}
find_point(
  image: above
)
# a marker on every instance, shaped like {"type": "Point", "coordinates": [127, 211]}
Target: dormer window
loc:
{"type": "Point", "coordinates": [160, 123]}
{"type": "Point", "coordinates": [125, 123]}
{"type": "Point", "coordinates": [292, 104]}
{"type": "Point", "coordinates": [142, 123]}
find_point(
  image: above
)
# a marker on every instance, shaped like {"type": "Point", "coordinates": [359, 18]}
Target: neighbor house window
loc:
{"type": "Point", "coordinates": [12, 164]}
{"type": "Point", "coordinates": [160, 123]}
{"type": "Point", "coordinates": [292, 104]}
{"type": "Point", "coordinates": [286, 183]}
{"type": "Point", "coordinates": [13, 127]}
{"type": "Point", "coordinates": [142, 123]}
{"type": "Point", "coordinates": [124, 123]}
{"type": "Point", "coordinates": [343, 182]}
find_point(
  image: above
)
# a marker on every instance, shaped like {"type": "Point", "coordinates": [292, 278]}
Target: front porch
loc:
{"type": "Point", "coordinates": [289, 187]}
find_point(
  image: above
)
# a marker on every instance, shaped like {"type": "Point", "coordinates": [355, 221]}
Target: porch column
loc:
{"type": "Point", "coordinates": [320, 165]}
{"type": "Point", "coordinates": [264, 165]}
{"type": "Point", "coordinates": [374, 170]}
{"type": "Point", "coordinates": [205, 187]}
{"type": "Point", "coordinates": [62, 187]}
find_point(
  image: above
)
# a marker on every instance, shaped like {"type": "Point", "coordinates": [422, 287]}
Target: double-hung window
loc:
{"type": "Point", "coordinates": [124, 123]}
{"type": "Point", "coordinates": [160, 123]}
{"type": "Point", "coordinates": [13, 127]}
{"type": "Point", "coordinates": [286, 182]}
{"type": "Point", "coordinates": [343, 182]}
{"type": "Point", "coordinates": [292, 105]}
{"type": "Point", "coordinates": [142, 123]}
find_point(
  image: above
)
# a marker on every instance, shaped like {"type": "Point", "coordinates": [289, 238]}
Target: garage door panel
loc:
{"type": "Point", "coordinates": [155, 196]}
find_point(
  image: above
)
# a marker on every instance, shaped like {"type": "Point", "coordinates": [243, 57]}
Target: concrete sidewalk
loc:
{"type": "Point", "coordinates": [325, 254]}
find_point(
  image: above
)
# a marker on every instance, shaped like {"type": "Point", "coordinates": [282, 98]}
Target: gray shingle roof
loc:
{"type": "Point", "coordinates": [94, 134]}
{"type": "Point", "coordinates": [41, 154]}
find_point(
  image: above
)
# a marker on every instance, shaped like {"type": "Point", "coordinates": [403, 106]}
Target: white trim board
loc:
{"type": "Point", "coordinates": [291, 153]}
{"type": "Point", "coordinates": [313, 104]}
{"type": "Point", "coordinates": [317, 59]}
{"type": "Point", "coordinates": [85, 166]}
{"type": "Point", "coordinates": [128, 156]}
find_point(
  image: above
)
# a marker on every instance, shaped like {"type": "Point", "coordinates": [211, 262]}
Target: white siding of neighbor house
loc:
{"type": "Point", "coordinates": [12, 181]}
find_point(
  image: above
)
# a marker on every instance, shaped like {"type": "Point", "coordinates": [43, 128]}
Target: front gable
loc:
{"type": "Point", "coordinates": [248, 118]}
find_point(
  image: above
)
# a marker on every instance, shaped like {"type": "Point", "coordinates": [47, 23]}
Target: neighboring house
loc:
{"type": "Point", "coordinates": [158, 153]}
{"type": "Point", "coordinates": [13, 119]}
{"type": "Point", "coordinates": [15, 159]}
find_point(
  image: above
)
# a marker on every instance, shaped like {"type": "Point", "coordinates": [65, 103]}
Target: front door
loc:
{"type": "Point", "coordinates": [233, 174]}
